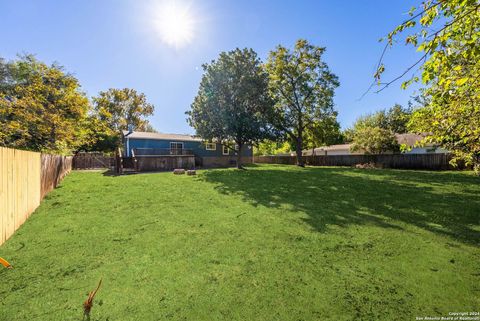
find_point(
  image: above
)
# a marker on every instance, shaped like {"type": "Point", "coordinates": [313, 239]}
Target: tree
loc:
{"type": "Point", "coordinates": [101, 137]}
{"type": "Point", "coordinates": [303, 89]}
{"type": "Point", "coordinates": [325, 131]}
{"type": "Point", "coordinates": [398, 118]}
{"type": "Point", "coordinates": [374, 140]}
{"type": "Point", "coordinates": [375, 133]}
{"type": "Point", "coordinates": [270, 147]}
{"type": "Point", "coordinates": [232, 101]}
{"type": "Point", "coordinates": [119, 108]}
{"type": "Point", "coordinates": [115, 110]}
{"type": "Point", "coordinates": [447, 33]}
{"type": "Point", "coordinates": [394, 119]}
{"type": "Point", "coordinates": [149, 128]}
{"type": "Point", "coordinates": [41, 107]}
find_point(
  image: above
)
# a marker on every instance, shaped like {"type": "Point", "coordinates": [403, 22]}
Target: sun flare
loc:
{"type": "Point", "coordinates": [175, 24]}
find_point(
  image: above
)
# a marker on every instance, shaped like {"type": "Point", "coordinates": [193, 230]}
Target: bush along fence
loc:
{"type": "Point", "coordinates": [25, 178]}
{"type": "Point", "coordinates": [401, 161]}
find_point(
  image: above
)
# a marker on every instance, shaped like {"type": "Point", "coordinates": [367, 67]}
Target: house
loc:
{"type": "Point", "coordinates": [340, 149]}
{"type": "Point", "coordinates": [409, 140]}
{"type": "Point", "coordinates": [206, 154]}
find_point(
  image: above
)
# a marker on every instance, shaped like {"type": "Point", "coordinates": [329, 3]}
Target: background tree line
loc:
{"type": "Point", "coordinates": [300, 112]}
{"type": "Point", "coordinates": [289, 98]}
{"type": "Point", "coordinates": [284, 102]}
{"type": "Point", "coordinates": [376, 133]}
{"type": "Point", "coordinates": [42, 108]}
{"type": "Point", "coordinates": [283, 105]}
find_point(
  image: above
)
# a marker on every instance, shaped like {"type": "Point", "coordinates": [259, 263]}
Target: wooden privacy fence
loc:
{"type": "Point", "coordinates": [54, 169]}
{"type": "Point", "coordinates": [403, 161]}
{"type": "Point", "coordinates": [19, 196]}
{"type": "Point", "coordinates": [92, 160]}
{"type": "Point", "coordinates": [164, 163]}
{"type": "Point", "coordinates": [25, 178]}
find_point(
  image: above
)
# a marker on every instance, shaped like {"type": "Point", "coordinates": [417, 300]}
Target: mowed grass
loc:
{"type": "Point", "coordinates": [267, 243]}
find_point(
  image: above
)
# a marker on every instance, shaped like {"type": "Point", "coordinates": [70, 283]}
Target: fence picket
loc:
{"type": "Point", "coordinates": [25, 178]}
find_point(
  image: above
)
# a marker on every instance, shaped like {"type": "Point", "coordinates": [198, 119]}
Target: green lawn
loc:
{"type": "Point", "coordinates": [268, 243]}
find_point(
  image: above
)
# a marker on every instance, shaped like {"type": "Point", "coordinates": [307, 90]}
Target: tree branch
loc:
{"type": "Point", "coordinates": [435, 35]}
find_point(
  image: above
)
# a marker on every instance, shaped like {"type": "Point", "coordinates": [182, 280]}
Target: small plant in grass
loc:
{"type": "Point", "coordinates": [88, 304]}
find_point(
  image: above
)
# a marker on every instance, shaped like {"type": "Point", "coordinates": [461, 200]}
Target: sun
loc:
{"type": "Point", "coordinates": [175, 24]}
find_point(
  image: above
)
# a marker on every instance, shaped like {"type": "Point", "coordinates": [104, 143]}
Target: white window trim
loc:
{"type": "Point", "coordinates": [223, 150]}
{"type": "Point", "coordinates": [208, 146]}
{"type": "Point", "coordinates": [176, 143]}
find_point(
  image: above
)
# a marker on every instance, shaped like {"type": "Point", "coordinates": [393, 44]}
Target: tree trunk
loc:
{"type": "Point", "coordinates": [299, 141]}
{"type": "Point", "coordinates": [239, 156]}
{"type": "Point", "coordinates": [476, 165]}
{"type": "Point", "coordinates": [299, 152]}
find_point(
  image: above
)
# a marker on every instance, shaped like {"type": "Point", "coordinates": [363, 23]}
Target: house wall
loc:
{"type": "Point", "coordinates": [341, 152]}
{"type": "Point", "coordinates": [197, 147]}
{"type": "Point", "coordinates": [426, 150]}
{"type": "Point", "coordinates": [333, 151]}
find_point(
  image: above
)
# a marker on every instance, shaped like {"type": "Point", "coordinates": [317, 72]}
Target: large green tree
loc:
{"type": "Point", "coordinates": [303, 89]}
{"type": "Point", "coordinates": [323, 132]}
{"type": "Point", "coordinates": [394, 119]}
{"type": "Point", "coordinates": [447, 33]}
{"type": "Point", "coordinates": [115, 110]}
{"type": "Point", "coordinates": [41, 107]}
{"type": "Point", "coordinates": [232, 101]}
{"type": "Point", "coordinates": [375, 133]}
{"type": "Point", "coordinates": [374, 140]}
{"type": "Point", "coordinates": [101, 137]}
{"type": "Point", "coordinates": [272, 147]}
{"type": "Point", "coordinates": [120, 108]}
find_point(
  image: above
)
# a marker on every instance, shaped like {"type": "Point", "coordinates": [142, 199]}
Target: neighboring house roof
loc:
{"type": "Point", "coordinates": [284, 154]}
{"type": "Point", "coordinates": [329, 148]}
{"type": "Point", "coordinates": [161, 136]}
{"type": "Point", "coordinates": [336, 147]}
{"type": "Point", "coordinates": [411, 139]}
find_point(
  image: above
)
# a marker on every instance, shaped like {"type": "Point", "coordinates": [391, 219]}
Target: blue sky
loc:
{"type": "Point", "coordinates": [116, 44]}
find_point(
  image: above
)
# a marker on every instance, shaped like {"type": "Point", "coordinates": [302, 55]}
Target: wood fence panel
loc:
{"type": "Point", "coordinates": [54, 169]}
{"type": "Point", "coordinates": [161, 163]}
{"type": "Point", "coordinates": [92, 160]}
{"type": "Point", "coordinates": [25, 178]}
{"type": "Point", "coordinates": [19, 188]}
{"type": "Point", "coordinates": [401, 161]}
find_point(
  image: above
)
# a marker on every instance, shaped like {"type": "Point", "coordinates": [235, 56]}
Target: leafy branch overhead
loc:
{"type": "Point", "coordinates": [435, 24]}
{"type": "Point", "coordinates": [447, 33]}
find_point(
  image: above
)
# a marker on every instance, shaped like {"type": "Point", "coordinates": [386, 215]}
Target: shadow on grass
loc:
{"type": "Point", "coordinates": [443, 203]}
